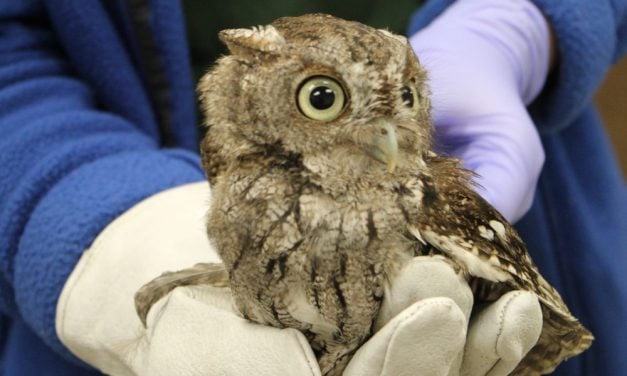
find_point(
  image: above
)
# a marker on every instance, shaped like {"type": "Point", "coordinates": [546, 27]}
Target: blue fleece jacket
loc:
{"type": "Point", "coordinates": [97, 113]}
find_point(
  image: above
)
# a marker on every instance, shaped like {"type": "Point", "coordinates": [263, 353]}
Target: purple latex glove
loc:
{"type": "Point", "coordinates": [486, 60]}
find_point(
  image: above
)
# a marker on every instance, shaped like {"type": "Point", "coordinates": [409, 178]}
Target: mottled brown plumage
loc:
{"type": "Point", "coordinates": [318, 151]}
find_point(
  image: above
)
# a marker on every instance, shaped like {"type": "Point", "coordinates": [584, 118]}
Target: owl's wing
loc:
{"type": "Point", "coordinates": [456, 221]}
{"type": "Point", "coordinates": [200, 274]}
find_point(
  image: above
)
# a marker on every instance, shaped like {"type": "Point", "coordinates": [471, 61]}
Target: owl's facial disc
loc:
{"type": "Point", "coordinates": [384, 147]}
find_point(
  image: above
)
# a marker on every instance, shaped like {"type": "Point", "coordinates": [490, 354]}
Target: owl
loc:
{"type": "Point", "coordinates": [324, 184]}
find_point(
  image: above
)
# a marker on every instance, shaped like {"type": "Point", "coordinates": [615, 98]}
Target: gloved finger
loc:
{"type": "Point", "coordinates": [424, 277]}
{"type": "Point", "coordinates": [424, 339]}
{"type": "Point", "coordinates": [194, 331]}
{"type": "Point", "coordinates": [507, 154]}
{"type": "Point", "coordinates": [502, 334]}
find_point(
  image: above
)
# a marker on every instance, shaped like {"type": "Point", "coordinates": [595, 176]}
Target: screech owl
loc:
{"type": "Point", "coordinates": [324, 184]}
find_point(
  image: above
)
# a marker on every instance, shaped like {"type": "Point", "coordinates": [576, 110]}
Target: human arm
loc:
{"type": "Point", "coordinates": [191, 331]}
{"type": "Point", "coordinates": [486, 60]}
{"type": "Point", "coordinates": [71, 162]}
{"type": "Point", "coordinates": [494, 55]}
{"type": "Point", "coordinates": [497, 136]}
{"type": "Point", "coordinates": [589, 37]}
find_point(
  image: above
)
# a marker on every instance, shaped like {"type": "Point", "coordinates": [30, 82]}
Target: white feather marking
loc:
{"type": "Point", "coordinates": [498, 227]}
{"type": "Point", "coordinates": [485, 233]}
{"type": "Point", "coordinates": [475, 264]}
{"type": "Point", "coordinates": [495, 260]}
{"type": "Point", "coordinates": [414, 231]}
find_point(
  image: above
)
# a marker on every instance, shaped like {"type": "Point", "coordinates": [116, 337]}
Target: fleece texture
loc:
{"type": "Point", "coordinates": [576, 230]}
{"type": "Point", "coordinates": [82, 141]}
{"type": "Point", "coordinates": [97, 112]}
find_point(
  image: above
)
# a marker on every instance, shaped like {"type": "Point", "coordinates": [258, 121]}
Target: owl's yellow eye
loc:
{"type": "Point", "coordinates": [321, 98]}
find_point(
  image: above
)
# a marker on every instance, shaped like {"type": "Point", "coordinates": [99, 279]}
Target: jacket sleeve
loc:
{"type": "Point", "coordinates": [591, 36]}
{"type": "Point", "coordinates": [67, 167]}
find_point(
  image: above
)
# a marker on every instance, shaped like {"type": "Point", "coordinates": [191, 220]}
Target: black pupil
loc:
{"type": "Point", "coordinates": [322, 98]}
{"type": "Point", "coordinates": [408, 97]}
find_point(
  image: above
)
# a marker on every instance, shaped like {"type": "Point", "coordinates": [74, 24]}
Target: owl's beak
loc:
{"type": "Point", "coordinates": [385, 145]}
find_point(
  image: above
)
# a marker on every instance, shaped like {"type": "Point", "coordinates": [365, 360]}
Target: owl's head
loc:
{"type": "Point", "coordinates": [332, 91]}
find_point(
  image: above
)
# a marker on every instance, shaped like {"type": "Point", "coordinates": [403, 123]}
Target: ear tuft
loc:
{"type": "Point", "coordinates": [392, 35]}
{"type": "Point", "coordinates": [265, 39]}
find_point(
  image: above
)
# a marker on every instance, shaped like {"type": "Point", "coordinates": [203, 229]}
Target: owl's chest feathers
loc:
{"type": "Point", "coordinates": [313, 258]}
{"type": "Point", "coordinates": [298, 209]}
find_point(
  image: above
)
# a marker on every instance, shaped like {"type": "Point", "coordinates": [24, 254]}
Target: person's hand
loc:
{"type": "Point", "coordinates": [425, 327]}
{"type": "Point", "coordinates": [423, 330]}
{"type": "Point", "coordinates": [486, 60]}
{"type": "Point", "coordinates": [193, 330]}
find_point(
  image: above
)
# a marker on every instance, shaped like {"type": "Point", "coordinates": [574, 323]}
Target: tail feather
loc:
{"type": "Point", "coordinates": [562, 337]}
{"type": "Point", "coordinates": [200, 274]}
